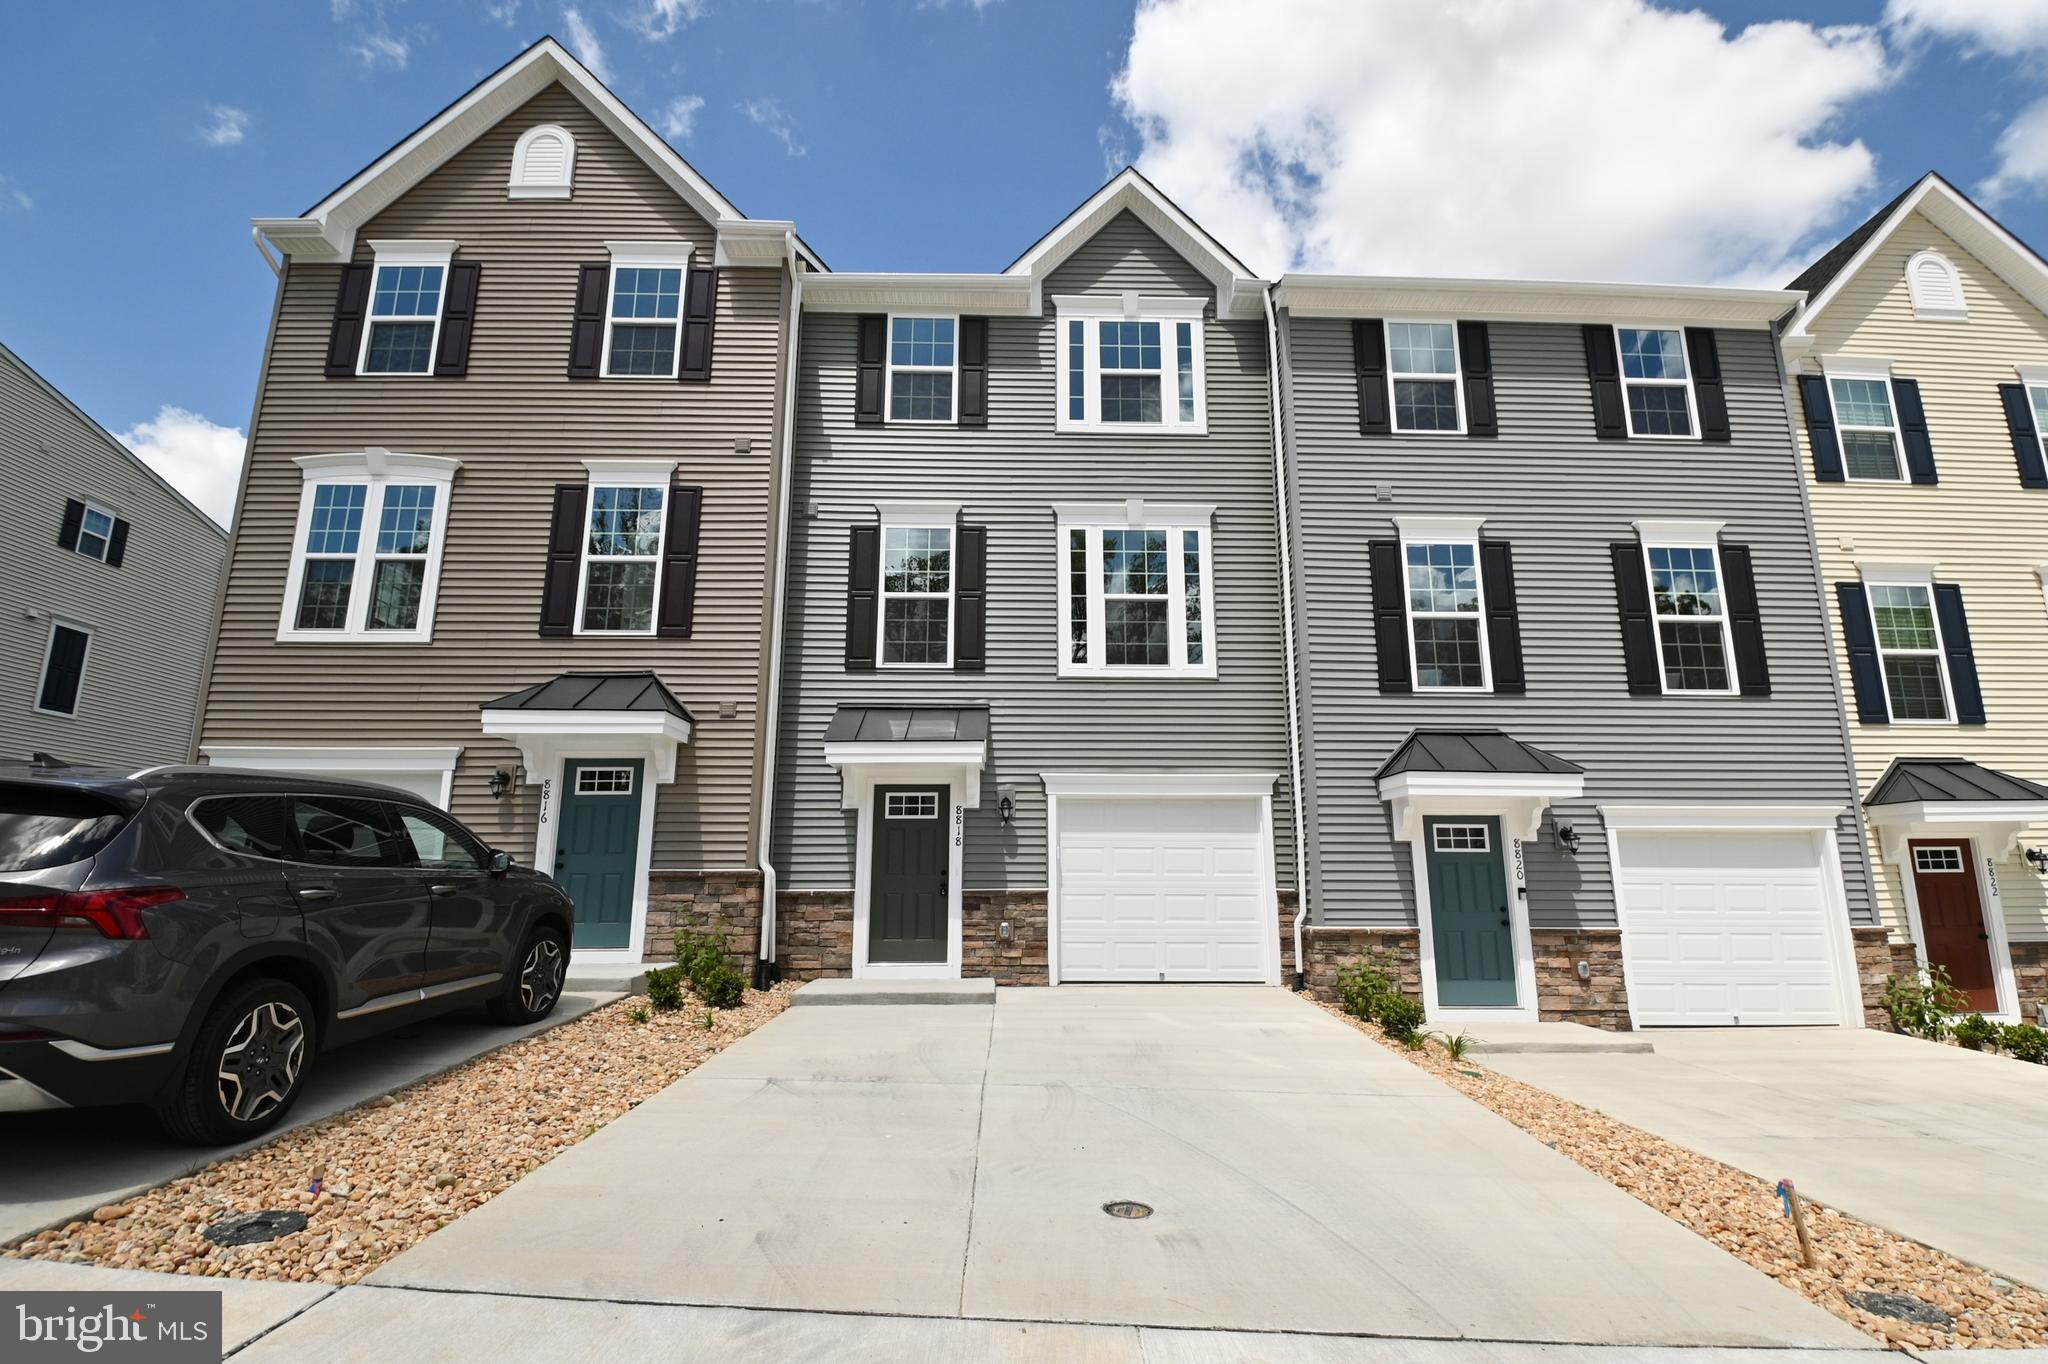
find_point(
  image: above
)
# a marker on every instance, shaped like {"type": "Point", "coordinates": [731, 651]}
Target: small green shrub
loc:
{"type": "Point", "coordinates": [2026, 1042]}
{"type": "Point", "coordinates": [665, 988]}
{"type": "Point", "coordinates": [1923, 1003]}
{"type": "Point", "coordinates": [1976, 1032]}
{"type": "Point", "coordinates": [1402, 1019]}
{"type": "Point", "coordinates": [1456, 1045]}
{"type": "Point", "coordinates": [638, 1013]}
{"type": "Point", "coordinates": [1362, 985]}
{"type": "Point", "coordinates": [702, 959]}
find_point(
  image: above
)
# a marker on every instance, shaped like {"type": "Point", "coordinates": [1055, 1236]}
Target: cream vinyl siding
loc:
{"type": "Point", "coordinates": [1989, 535]}
{"type": "Point", "coordinates": [520, 426]}
{"type": "Point", "coordinates": [151, 619]}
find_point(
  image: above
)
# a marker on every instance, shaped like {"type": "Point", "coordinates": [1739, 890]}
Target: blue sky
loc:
{"type": "Point", "coordinates": [946, 135]}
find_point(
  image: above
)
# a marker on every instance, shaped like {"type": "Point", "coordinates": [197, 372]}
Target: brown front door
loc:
{"type": "Point", "coordinates": [1952, 919]}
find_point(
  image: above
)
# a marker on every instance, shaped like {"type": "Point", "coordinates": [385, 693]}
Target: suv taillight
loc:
{"type": "Point", "coordinates": [115, 913]}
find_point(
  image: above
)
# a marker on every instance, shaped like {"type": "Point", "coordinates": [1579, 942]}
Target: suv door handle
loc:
{"type": "Point", "coordinates": [441, 889]}
{"type": "Point", "coordinates": [315, 892]}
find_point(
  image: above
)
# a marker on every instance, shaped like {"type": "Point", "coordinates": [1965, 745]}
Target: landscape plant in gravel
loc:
{"type": "Point", "coordinates": [1924, 1003]}
{"type": "Point", "coordinates": [1977, 1033]}
{"type": "Point", "coordinates": [701, 959]}
{"type": "Point", "coordinates": [2025, 1042]}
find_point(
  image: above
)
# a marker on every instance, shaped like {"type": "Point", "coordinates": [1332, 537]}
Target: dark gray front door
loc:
{"type": "Point", "coordinates": [1470, 930]}
{"type": "Point", "coordinates": [908, 895]}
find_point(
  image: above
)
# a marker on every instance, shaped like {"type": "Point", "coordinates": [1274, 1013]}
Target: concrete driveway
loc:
{"type": "Point", "coordinates": [953, 1162]}
{"type": "Point", "coordinates": [1946, 1146]}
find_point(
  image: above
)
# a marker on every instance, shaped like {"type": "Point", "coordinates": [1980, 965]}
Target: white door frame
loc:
{"type": "Point", "coordinates": [1978, 843]}
{"type": "Point", "coordinates": [1163, 786]}
{"type": "Point", "coordinates": [1525, 1009]}
{"type": "Point", "coordinates": [944, 777]}
{"type": "Point", "coordinates": [549, 774]}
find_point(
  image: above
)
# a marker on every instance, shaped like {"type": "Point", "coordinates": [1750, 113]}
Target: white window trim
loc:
{"type": "Point", "coordinates": [1692, 404]}
{"type": "Point", "coordinates": [106, 541]}
{"type": "Point", "coordinates": [43, 673]}
{"type": "Point", "coordinates": [518, 187]}
{"type": "Point", "coordinates": [395, 253]}
{"type": "Point", "coordinates": [1130, 307]}
{"type": "Point", "coordinates": [1909, 575]}
{"type": "Point", "coordinates": [1688, 535]}
{"type": "Point", "coordinates": [623, 473]}
{"type": "Point", "coordinates": [1445, 530]}
{"type": "Point", "coordinates": [908, 516]}
{"type": "Point", "coordinates": [1138, 515]}
{"type": "Point", "coordinates": [1928, 312]}
{"type": "Point", "coordinates": [645, 256]}
{"type": "Point", "coordinates": [1456, 378]}
{"type": "Point", "coordinates": [375, 469]}
{"type": "Point", "coordinates": [2035, 378]}
{"type": "Point", "coordinates": [1835, 367]}
{"type": "Point", "coordinates": [891, 369]}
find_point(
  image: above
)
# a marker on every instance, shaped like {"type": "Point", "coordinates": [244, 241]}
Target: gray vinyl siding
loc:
{"type": "Point", "coordinates": [520, 426]}
{"type": "Point", "coordinates": [151, 618]}
{"type": "Point", "coordinates": [1007, 478]}
{"type": "Point", "coordinates": [1560, 497]}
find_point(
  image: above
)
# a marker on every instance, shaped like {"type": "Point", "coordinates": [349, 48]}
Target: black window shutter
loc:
{"type": "Point", "coordinates": [970, 600]}
{"type": "Point", "coordinates": [117, 543]}
{"type": "Point", "coordinates": [1475, 352]}
{"type": "Point", "coordinates": [1638, 631]}
{"type": "Point", "coordinates": [1820, 428]}
{"type": "Point", "coordinates": [351, 307]}
{"type": "Point", "coordinates": [1369, 355]}
{"type": "Point", "coordinates": [586, 333]}
{"type": "Point", "coordinates": [700, 310]}
{"type": "Point", "coordinates": [863, 587]}
{"type": "Point", "coordinates": [673, 617]}
{"type": "Point", "coordinates": [867, 401]}
{"type": "Point", "coordinates": [2026, 436]}
{"type": "Point", "coordinates": [458, 320]}
{"type": "Point", "coordinates": [1745, 620]}
{"type": "Point", "coordinates": [565, 557]}
{"type": "Point", "coordinates": [1859, 637]}
{"type": "Point", "coordinates": [1913, 430]}
{"type": "Point", "coordinates": [973, 405]}
{"type": "Point", "coordinates": [1603, 368]}
{"type": "Point", "coordinates": [1503, 621]}
{"type": "Point", "coordinates": [1704, 352]}
{"type": "Point", "coordinates": [74, 518]}
{"type": "Point", "coordinates": [1390, 615]}
{"type": "Point", "coordinates": [1962, 660]}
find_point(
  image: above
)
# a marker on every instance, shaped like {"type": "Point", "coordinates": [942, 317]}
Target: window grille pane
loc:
{"type": "Point", "coordinates": [1862, 402]}
{"type": "Point", "coordinates": [406, 525]}
{"type": "Point", "coordinates": [1904, 616]}
{"type": "Point", "coordinates": [1134, 563]}
{"type": "Point", "coordinates": [1443, 578]}
{"type": "Point", "coordinates": [647, 293]}
{"type": "Point", "coordinates": [1870, 454]}
{"type": "Point", "coordinates": [1425, 405]}
{"type": "Point", "coordinates": [1695, 656]}
{"type": "Point", "coordinates": [914, 629]}
{"type": "Point", "coordinates": [323, 594]}
{"type": "Point", "coordinates": [1684, 582]}
{"type": "Point", "coordinates": [1652, 354]}
{"type": "Point", "coordinates": [643, 350]}
{"type": "Point", "coordinates": [1077, 595]}
{"type": "Point", "coordinates": [925, 341]}
{"type": "Point", "coordinates": [407, 291]}
{"type": "Point", "coordinates": [619, 595]}
{"type": "Point", "coordinates": [1129, 345]}
{"type": "Point", "coordinates": [1130, 398]}
{"type": "Point", "coordinates": [1913, 682]}
{"type": "Point", "coordinates": [395, 594]}
{"type": "Point", "coordinates": [399, 347]}
{"type": "Point", "coordinates": [1077, 372]}
{"type": "Point", "coordinates": [625, 521]}
{"type": "Point", "coordinates": [918, 397]}
{"type": "Point", "coordinates": [1447, 653]}
{"type": "Point", "coordinates": [917, 559]}
{"type": "Point", "coordinates": [1191, 588]}
{"type": "Point", "coordinates": [1421, 348]}
{"type": "Point", "coordinates": [1658, 411]}
{"type": "Point", "coordinates": [337, 518]}
{"type": "Point", "coordinates": [1134, 633]}
{"type": "Point", "coordinates": [1184, 345]}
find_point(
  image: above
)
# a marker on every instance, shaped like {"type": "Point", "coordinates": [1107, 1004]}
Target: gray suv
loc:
{"type": "Point", "coordinates": [190, 938]}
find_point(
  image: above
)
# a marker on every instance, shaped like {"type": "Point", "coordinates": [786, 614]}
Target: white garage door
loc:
{"type": "Point", "coordinates": [1155, 889]}
{"type": "Point", "coordinates": [1727, 928]}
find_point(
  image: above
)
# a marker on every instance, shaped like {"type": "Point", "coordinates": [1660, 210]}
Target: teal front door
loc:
{"type": "Point", "coordinates": [597, 846]}
{"type": "Point", "coordinates": [1471, 928]}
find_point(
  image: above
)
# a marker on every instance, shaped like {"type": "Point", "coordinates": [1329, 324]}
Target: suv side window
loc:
{"type": "Point", "coordinates": [439, 842]}
{"type": "Point", "coordinates": [250, 825]}
{"type": "Point", "coordinates": [340, 831]}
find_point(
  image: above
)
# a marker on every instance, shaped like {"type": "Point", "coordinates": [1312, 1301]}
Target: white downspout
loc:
{"type": "Point", "coordinates": [1281, 507]}
{"type": "Point", "coordinates": [785, 461]}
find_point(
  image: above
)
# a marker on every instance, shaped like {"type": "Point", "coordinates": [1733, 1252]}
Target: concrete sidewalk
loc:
{"type": "Point", "coordinates": [953, 1164]}
{"type": "Point", "coordinates": [1937, 1143]}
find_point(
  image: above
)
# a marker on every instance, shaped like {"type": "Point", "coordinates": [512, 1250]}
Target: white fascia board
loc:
{"type": "Point", "coordinates": [975, 295]}
{"type": "Point", "coordinates": [1135, 511]}
{"type": "Point", "coordinates": [917, 513]}
{"type": "Point", "coordinates": [1678, 532]}
{"type": "Point", "coordinates": [508, 723]}
{"type": "Point", "coordinates": [1500, 300]}
{"type": "Point", "coordinates": [1419, 529]}
{"type": "Point", "coordinates": [903, 752]}
{"type": "Point", "coordinates": [755, 243]}
{"type": "Point", "coordinates": [380, 463]}
{"type": "Point", "coordinates": [1719, 818]}
{"type": "Point", "coordinates": [1155, 785]}
{"type": "Point", "coordinates": [648, 472]}
{"type": "Point", "coordinates": [2018, 813]}
{"type": "Point", "coordinates": [295, 758]}
{"type": "Point", "coordinates": [1506, 785]}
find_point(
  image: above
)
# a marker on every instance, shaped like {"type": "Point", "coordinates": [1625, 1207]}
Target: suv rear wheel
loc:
{"type": "Point", "coordinates": [536, 985]}
{"type": "Point", "coordinates": [248, 1064]}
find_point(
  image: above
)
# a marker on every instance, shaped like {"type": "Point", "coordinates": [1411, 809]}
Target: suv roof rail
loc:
{"type": "Point", "coordinates": [45, 760]}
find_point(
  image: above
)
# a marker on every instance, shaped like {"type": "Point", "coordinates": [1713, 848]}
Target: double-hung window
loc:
{"type": "Point", "coordinates": [406, 289]}
{"type": "Point", "coordinates": [1656, 382]}
{"type": "Point", "coordinates": [1136, 590]}
{"type": "Point", "coordinates": [1689, 609]}
{"type": "Point", "coordinates": [923, 368]}
{"type": "Point", "coordinates": [95, 533]}
{"type": "Point", "coordinates": [1867, 419]}
{"type": "Point", "coordinates": [917, 591]}
{"type": "Point", "coordinates": [1130, 364]}
{"type": "Point", "coordinates": [1447, 647]}
{"type": "Point", "coordinates": [366, 553]}
{"type": "Point", "coordinates": [643, 322]}
{"type": "Point", "coordinates": [1422, 367]}
{"type": "Point", "coordinates": [625, 530]}
{"type": "Point", "coordinates": [1909, 650]}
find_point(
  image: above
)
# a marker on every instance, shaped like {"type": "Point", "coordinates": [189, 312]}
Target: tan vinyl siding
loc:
{"type": "Point", "coordinates": [1988, 534]}
{"type": "Point", "coordinates": [151, 618]}
{"type": "Point", "coordinates": [520, 426]}
{"type": "Point", "coordinates": [1007, 478]}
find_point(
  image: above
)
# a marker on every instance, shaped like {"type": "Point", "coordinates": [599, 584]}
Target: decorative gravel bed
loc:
{"type": "Point", "coordinates": [1742, 1214]}
{"type": "Point", "coordinates": [377, 1179]}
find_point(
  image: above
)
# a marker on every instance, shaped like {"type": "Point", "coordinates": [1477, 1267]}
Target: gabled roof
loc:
{"type": "Point", "coordinates": [1949, 209]}
{"type": "Point", "coordinates": [607, 692]}
{"type": "Point", "coordinates": [326, 231]}
{"type": "Point", "coordinates": [1949, 779]}
{"type": "Point", "coordinates": [1470, 750]}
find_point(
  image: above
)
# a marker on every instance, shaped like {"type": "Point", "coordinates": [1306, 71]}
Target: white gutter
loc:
{"type": "Point", "coordinates": [1281, 506]}
{"type": "Point", "coordinates": [785, 460]}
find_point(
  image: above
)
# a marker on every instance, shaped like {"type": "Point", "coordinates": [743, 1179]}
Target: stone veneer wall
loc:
{"type": "Point", "coordinates": [1601, 1000]}
{"type": "Point", "coordinates": [1878, 959]}
{"type": "Point", "coordinates": [1330, 949]}
{"type": "Point", "coordinates": [725, 904]}
{"type": "Point", "coordinates": [1019, 959]}
{"type": "Point", "coordinates": [2030, 975]}
{"type": "Point", "coordinates": [814, 933]}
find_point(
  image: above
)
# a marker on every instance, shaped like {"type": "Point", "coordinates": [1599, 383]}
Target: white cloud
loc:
{"type": "Point", "coordinates": [679, 117]}
{"type": "Point", "coordinates": [381, 49]}
{"type": "Point", "coordinates": [1589, 138]}
{"type": "Point", "coordinates": [505, 12]}
{"type": "Point", "coordinates": [583, 42]}
{"type": "Point", "coordinates": [230, 125]}
{"type": "Point", "coordinates": [13, 200]}
{"type": "Point", "coordinates": [659, 19]}
{"type": "Point", "coordinates": [1999, 28]}
{"type": "Point", "coordinates": [770, 114]}
{"type": "Point", "coordinates": [198, 458]}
